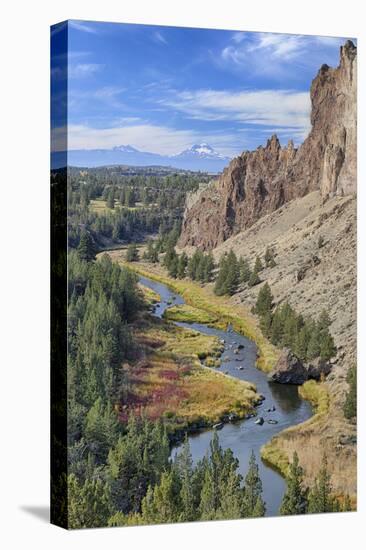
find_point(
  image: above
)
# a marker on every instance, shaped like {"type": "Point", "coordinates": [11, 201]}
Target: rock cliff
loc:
{"type": "Point", "coordinates": [259, 182]}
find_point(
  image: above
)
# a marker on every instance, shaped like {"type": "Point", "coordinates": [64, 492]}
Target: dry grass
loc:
{"type": "Point", "coordinates": [150, 296]}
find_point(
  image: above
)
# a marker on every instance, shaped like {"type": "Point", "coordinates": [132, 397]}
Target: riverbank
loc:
{"type": "Point", "coordinates": [172, 377]}
{"type": "Point", "coordinates": [203, 298]}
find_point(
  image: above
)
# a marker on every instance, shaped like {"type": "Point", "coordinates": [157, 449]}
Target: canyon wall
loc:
{"type": "Point", "coordinates": [258, 182]}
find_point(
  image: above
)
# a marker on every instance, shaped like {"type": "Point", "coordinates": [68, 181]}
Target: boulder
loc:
{"type": "Point", "coordinates": [318, 369]}
{"type": "Point", "coordinates": [291, 370]}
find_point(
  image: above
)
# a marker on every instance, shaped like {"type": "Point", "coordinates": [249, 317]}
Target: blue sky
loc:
{"type": "Point", "coordinates": [161, 89]}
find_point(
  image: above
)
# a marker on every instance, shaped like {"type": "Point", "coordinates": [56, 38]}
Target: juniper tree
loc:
{"type": "Point", "coordinates": [254, 279]}
{"type": "Point", "coordinates": [232, 277]}
{"type": "Point", "coordinates": [295, 498]}
{"type": "Point", "coordinates": [220, 284]}
{"type": "Point", "coordinates": [209, 266]}
{"type": "Point", "coordinates": [86, 248]}
{"type": "Point", "coordinates": [350, 405]}
{"type": "Point", "coordinates": [111, 199]}
{"type": "Point", "coordinates": [244, 270]}
{"type": "Point", "coordinates": [321, 499]}
{"type": "Point", "coordinates": [258, 266]}
{"type": "Point", "coordinates": [182, 265]}
{"type": "Point", "coordinates": [264, 301]}
{"type": "Point", "coordinates": [132, 254]}
{"type": "Point", "coordinates": [253, 505]}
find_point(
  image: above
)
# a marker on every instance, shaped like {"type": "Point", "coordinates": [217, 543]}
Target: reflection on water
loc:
{"type": "Point", "coordinates": [245, 436]}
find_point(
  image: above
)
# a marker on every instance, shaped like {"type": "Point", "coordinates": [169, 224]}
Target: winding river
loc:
{"type": "Point", "coordinates": [244, 436]}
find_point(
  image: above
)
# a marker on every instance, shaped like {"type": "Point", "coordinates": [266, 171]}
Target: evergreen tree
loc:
{"type": "Point", "coordinates": [254, 279]}
{"type": "Point", "coordinates": [244, 270]}
{"type": "Point", "coordinates": [111, 200]}
{"type": "Point", "coordinates": [327, 347]}
{"type": "Point", "coordinates": [220, 284]}
{"type": "Point", "coordinates": [265, 324]}
{"type": "Point", "coordinates": [89, 504]}
{"type": "Point", "coordinates": [161, 504]}
{"type": "Point", "coordinates": [173, 266]}
{"type": "Point", "coordinates": [132, 254]}
{"type": "Point", "coordinates": [232, 277]}
{"type": "Point", "coordinates": [185, 470]}
{"type": "Point", "coordinates": [86, 248]}
{"type": "Point", "coordinates": [295, 499]}
{"type": "Point", "coordinates": [258, 266]}
{"type": "Point", "coordinates": [321, 499]}
{"type": "Point", "coordinates": [350, 405]}
{"type": "Point", "coordinates": [253, 505]}
{"type": "Point", "coordinates": [182, 266]}
{"type": "Point", "coordinates": [209, 266]}
{"type": "Point", "coordinates": [264, 301]}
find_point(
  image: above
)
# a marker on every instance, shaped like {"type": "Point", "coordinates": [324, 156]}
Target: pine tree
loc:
{"type": "Point", "coordinates": [244, 270]}
{"type": "Point", "coordinates": [327, 347]}
{"type": "Point", "coordinates": [321, 499]}
{"type": "Point", "coordinates": [277, 327]}
{"type": "Point", "coordinates": [220, 284]}
{"type": "Point", "coordinates": [350, 405]}
{"type": "Point", "coordinates": [132, 254]}
{"type": "Point", "coordinates": [89, 504]}
{"type": "Point", "coordinates": [209, 266]}
{"type": "Point", "coordinates": [173, 266]}
{"type": "Point", "coordinates": [254, 279]}
{"type": "Point", "coordinates": [182, 265]}
{"type": "Point", "coordinates": [265, 324]}
{"type": "Point", "coordinates": [86, 248]}
{"type": "Point", "coordinates": [253, 505]}
{"type": "Point", "coordinates": [295, 498]}
{"type": "Point", "coordinates": [264, 301]}
{"type": "Point", "coordinates": [232, 276]}
{"type": "Point", "coordinates": [258, 266]}
{"type": "Point", "coordinates": [110, 200]}
{"type": "Point", "coordinates": [185, 470]}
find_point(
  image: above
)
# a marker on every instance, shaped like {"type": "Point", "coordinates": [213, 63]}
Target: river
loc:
{"type": "Point", "coordinates": [244, 436]}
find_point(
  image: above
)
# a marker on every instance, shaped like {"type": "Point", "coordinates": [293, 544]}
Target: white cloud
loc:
{"type": "Point", "coordinates": [285, 108]}
{"type": "Point", "coordinates": [82, 70]}
{"type": "Point", "coordinates": [84, 27]}
{"type": "Point", "coordinates": [158, 37]}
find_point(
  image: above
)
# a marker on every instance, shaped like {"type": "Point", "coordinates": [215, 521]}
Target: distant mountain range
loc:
{"type": "Point", "coordinates": [200, 157]}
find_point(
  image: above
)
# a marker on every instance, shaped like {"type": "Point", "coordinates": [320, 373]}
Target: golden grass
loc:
{"type": "Point", "coordinates": [172, 383]}
{"type": "Point", "coordinates": [278, 452]}
{"type": "Point", "coordinates": [99, 206]}
{"type": "Point", "coordinates": [190, 314]}
{"type": "Point", "coordinates": [150, 296]}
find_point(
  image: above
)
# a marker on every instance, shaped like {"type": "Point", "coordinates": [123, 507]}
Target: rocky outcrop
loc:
{"type": "Point", "coordinates": [290, 370]}
{"type": "Point", "coordinates": [259, 182]}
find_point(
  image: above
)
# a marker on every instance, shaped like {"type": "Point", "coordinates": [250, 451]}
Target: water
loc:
{"type": "Point", "coordinates": [244, 436]}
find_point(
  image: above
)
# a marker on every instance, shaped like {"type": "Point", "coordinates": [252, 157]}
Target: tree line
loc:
{"type": "Point", "coordinates": [284, 327]}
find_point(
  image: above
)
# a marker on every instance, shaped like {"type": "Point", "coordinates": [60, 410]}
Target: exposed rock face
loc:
{"type": "Point", "coordinates": [258, 182]}
{"type": "Point", "coordinates": [290, 370]}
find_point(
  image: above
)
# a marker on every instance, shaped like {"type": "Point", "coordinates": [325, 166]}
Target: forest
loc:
{"type": "Point", "coordinates": [117, 206]}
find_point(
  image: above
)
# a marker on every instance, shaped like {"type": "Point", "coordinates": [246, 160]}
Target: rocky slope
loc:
{"type": "Point", "coordinates": [259, 182]}
{"type": "Point", "coordinates": [312, 279]}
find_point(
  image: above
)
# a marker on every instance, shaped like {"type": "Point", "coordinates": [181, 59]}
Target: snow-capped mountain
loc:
{"type": "Point", "coordinates": [201, 150]}
{"type": "Point", "coordinates": [199, 157]}
{"type": "Point", "coordinates": [126, 149]}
